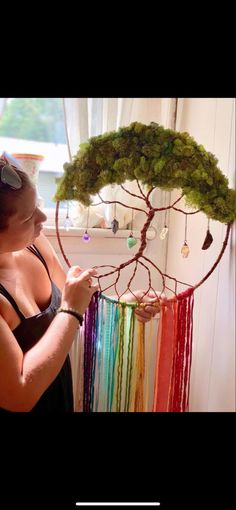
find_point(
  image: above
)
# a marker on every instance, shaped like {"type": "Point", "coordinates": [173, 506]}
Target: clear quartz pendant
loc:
{"type": "Point", "coordinates": [185, 250]}
{"type": "Point", "coordinates": [164, 232]}
{"type": "Point", "coordinates": [68, 223]}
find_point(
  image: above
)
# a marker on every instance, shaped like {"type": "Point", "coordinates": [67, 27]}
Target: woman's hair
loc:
{"type": "Point", "coordinates": [9, 196]}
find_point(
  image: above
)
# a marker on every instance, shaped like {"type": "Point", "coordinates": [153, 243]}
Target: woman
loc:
{"type": "Point", "coordinates": [41, 307]}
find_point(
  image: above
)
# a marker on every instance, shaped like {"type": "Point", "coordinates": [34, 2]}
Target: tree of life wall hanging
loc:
{"type": "Point", "coordinates": [114, 364]}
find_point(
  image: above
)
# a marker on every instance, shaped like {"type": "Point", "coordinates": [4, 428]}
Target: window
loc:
{"type": "Point", "coordinates": [36, 126]}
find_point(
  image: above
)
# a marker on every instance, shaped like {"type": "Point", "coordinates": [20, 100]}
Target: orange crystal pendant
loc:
{"type": "Point", "coordinates": [185, 250]}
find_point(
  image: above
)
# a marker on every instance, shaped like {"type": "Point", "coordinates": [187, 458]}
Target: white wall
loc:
{"type": "Point", "coordinates": [212, 123]}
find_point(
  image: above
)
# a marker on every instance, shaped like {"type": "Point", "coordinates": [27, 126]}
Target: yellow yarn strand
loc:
{"type": "Point", "coordinates": [130, 332]}
{"type": "Point", "coordinates": [120, 357]}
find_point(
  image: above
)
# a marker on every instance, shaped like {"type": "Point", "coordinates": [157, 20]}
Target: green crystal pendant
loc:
{"type": "Point", "coordinates": [131, 241]}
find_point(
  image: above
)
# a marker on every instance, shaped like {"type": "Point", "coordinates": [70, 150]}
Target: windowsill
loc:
{"type": "Point", "coordinates": [50, 231]}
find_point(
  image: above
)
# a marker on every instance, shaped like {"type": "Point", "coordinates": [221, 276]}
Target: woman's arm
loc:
{"type": "Point", "coordinates": [25, 377]}
{"type": "Point", "coordinates": [150, 303]}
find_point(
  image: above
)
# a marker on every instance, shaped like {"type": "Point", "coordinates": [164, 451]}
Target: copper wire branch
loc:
{"type": "Point", "coordinates": [129, 282]}
{"type": "Point", "coordinates": [167, 276]}
{"type": "Point", "coordinates": [124, 205]}
{"type": "Point", "coordinates": [140, 189]}
{"type": "Point", "coordinates": [132, 194]}
{"type": "Point", "coordinates": [184, 212]}
{"type": "Point", "coordinates": [157, 209]}
{"type": "Point", "coordinates": [150, 213]}
{"type": "Point", "coordinates": [150, 191]}
{"type": "Point", "coordinates": [149, 279]}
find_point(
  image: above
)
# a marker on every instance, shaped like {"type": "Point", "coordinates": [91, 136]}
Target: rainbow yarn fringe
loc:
{"type": "Point", "coordinates": [117, 357]}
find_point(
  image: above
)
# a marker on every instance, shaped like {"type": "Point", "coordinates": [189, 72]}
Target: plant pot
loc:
{"type": "Point", "coordinates": [30, 163]}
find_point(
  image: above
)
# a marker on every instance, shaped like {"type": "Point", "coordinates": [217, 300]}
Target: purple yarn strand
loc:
{"type": "Point", "coordinates": [89, 348]}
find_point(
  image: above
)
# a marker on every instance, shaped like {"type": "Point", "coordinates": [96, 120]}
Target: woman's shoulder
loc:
{"type": "Point", "coordinates": [54, 265]}
{"type": "Point", "coordinates": [46, 250]}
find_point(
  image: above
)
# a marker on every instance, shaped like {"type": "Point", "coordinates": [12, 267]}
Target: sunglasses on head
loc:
{"type": "Point", "coordinates": [8, 174]}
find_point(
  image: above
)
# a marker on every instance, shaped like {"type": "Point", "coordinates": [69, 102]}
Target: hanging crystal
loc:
{"type": "Point", "coordinates": [67, 223]}
{"type": "Point", "coordinates": [165, 229]}
{"type": "Point", "coordinates": [208, 239]}
{"type": "Point", "coordinates": [131, 241]}
{"type": "Point", "coordinates": [114, 223]}
{"type": "Point", "coordinates": [185, 248]}
{"type": "Point", "coordinates": [164, 232]}
{"type": "Point", "coordinates": [114, 226]}
{"type": "Point", "coordinates": [86, 237]}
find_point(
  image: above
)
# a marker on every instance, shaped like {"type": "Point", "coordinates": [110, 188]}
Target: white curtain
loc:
{"type": "Point", "coordinates": [3, 101]}
{"type": "Point", "coordinates": [86, 117]}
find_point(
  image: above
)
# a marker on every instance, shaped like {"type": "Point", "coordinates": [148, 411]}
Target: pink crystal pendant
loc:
{"type": "Point", "coordinates": [185, 250]}
{"type": "Point", "coordinates": [86, 237]}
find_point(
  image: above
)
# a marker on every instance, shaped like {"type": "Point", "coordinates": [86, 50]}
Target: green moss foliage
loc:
{"type": "Point", "coordinates": [156, 156]}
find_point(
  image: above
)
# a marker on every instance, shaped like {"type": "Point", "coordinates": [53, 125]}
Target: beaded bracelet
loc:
{"type": "Point", "coordinates": [73, 312]}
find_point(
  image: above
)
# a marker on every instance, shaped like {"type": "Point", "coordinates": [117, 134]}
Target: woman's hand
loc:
{"type": "Point", "coordinates": [149, 304]}
{"type": "Point", "coordinates": [78, 289]}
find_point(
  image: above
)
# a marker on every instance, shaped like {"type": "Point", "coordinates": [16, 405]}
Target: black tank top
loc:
{"type": "Point", "coordinates": [59, 395]}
